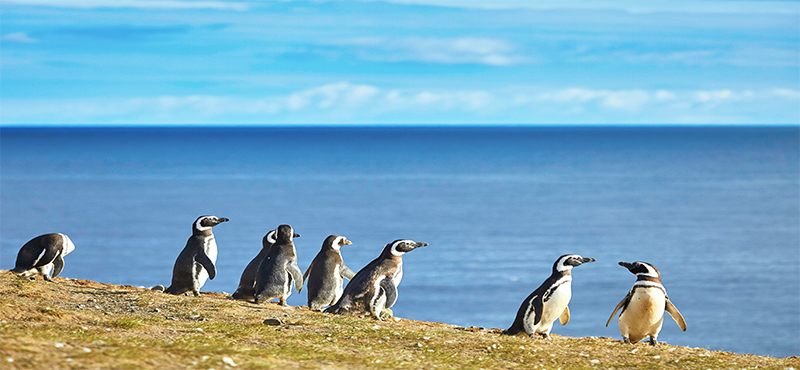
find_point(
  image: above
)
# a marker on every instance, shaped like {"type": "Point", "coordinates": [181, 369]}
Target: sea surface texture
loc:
{"type": "Point", "coordinates": [716, 209]}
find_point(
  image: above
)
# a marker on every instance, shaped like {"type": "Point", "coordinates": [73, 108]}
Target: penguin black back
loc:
{"type": "Point", "coordinates": [326, 272]}
{"type": "Point", "coordinates": [279, 269]}
{"type": "Point", "coordinates": [247, 283]}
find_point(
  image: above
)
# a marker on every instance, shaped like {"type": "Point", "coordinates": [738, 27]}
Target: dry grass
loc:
{"type": "Point", "coordinates": [88, 325]}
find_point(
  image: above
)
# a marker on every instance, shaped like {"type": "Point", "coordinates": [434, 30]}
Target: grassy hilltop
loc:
{"type": "Point", "coordinates": [84, 324]}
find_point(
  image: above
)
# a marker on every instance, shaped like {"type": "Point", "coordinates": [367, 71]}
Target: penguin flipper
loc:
{"type": "Point", "coordinates": [622, 304]}
{"type": "Point", "coordinates": [58, 265]}
{"type": "Point", "coordinates": [538, 306]}
{"type": "Point", "coordinates": [564, 318]}
{"type": "Point", "coordinates": [346, 272]}
{"type": "Point", "coordinates": [676, 315]}
{"type": "Point", "coordinates": [297, 275]}
{"type": "Point", "coordinates": [391, 291]}
{"type": "Point", "coordinates": [305, 275]}
{"type": "Point", "coordinates": [205, 261]}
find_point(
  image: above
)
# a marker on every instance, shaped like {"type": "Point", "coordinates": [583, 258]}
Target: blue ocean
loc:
{"type": "Point", "coordinates": [716, 209]}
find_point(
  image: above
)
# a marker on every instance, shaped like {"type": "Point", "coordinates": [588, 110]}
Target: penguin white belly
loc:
{"type": "Point", "coordinates": [644, 315]}
{"type": "Point", "coordinates": [338, 285]}
{"type": "Point", "coordinates": [554, 307]}
{"type": "Point", "coordinates": [398, 276]}
{"type": "Point", "coordinates": [211, 249]}
{"type": "Point", "coordinates": [200, 272]}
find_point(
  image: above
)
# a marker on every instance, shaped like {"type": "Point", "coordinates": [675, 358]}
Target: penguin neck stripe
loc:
{"type": "Point", "coordinates": [649, 284]}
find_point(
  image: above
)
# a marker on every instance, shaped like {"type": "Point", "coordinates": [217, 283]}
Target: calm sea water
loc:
{"type": "Point", "coordinates": [715, 209]}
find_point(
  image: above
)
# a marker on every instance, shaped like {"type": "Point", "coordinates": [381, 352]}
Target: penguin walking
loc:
{"type": "Point", "coordinates": [326, 274]}
{"type": "Point", "coordinates": [549, 301]}
{"type": "Point", "coordinates": [279, 269]}
{"type": "Point", "coordinates": [374, 288]}
{"type": "Point", "coordinates": [196, 261]}
{"type": "Point", "coordinates": [643, 308]}
{"type": "Point", "coordinates": [43, 255]}
{"type": "Point", "coordinates": [247, 283]}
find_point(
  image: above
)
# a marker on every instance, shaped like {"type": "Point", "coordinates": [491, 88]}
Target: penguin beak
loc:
{"type": "Point", "coordinates": [296, 235]}
{"type": "Point", "coordinates": [347, 242]}
{"type": "Point", "coordinates": [626, 265]}
{"type": "Point", "coordinates": [420, 245]}
{"type": "Point", "coordinates": [221, 220]}
{"type": "Point", "coordinates": [588, 259]}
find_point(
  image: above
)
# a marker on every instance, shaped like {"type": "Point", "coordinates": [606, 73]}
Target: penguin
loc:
{"type": "Point", "coordinates": [43, 255]}
{"type": "Point", "coordinates": [279, 269]}
{"type": "Point", "coordinates": [549, 301]}
{"type": "Point", "coordinates": [373, 289]}
{"type": "Point", "coordinates": [196, 261]}
{"type": "Point", "coordinates": [643, 308]}
{"type": "Point", "coordinates": [247, 283]}
{"type": "Point", "coordinates": [326, 272]}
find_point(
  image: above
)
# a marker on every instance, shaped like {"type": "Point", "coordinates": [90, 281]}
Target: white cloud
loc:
{"type": "Point", "coordinates": [18, 37]}
{"type": "Point", "coordinates": [143, 4]}
{"type": "Point", "coordinates": [632, 6]}
{"type": "Point", "coordinates": [464, 50]}
{"type": "Point", "coordinates": [345, 102]}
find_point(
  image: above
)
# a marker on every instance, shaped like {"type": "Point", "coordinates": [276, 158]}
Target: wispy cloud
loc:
{"type": "Point", "coordinates": [464, 50]}
{"type": "Point", "coordinates": [345, 102]}
{"type": "Point", "coordinates": [20, 37]}
{"type": "Point", "coordinates": [140, 4]}
{"type": "Point", "coordinates": [633, 6]}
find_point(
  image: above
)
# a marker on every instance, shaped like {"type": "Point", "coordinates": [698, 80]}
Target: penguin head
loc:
{"type": "Point", "coordinates": [568, 261]}
{"type": "Point", "coordinates": [204, 223]}
{"type": "Point", "coordinates": [400, 247]}
{"type": "Point", "coordinates": [284, 234]}
{"type": "Point", "coordinates": [269, 239]}
{"type": "Point", "coordinates": [336, 242]}
{"type": "Point", "coordinates": [640, 268]}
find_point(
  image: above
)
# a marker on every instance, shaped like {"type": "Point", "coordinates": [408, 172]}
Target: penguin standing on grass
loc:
{"type": "Point", "coordinates": [195, 263]}
{"type": "Point", "coordinates": [643, 308]}
{"type": "Point", "coordinates": [549, 301]}
{"type": "Point", "coordinates": [279, 269]}
{"type": "Point", "coordinates": [373, 289]}
{"type": "Point", "coordinates": [43, 255]}
{"type": "Point", "coordinates": [326, 274]}
{"type": "Point", "coordinates": [247, 283]}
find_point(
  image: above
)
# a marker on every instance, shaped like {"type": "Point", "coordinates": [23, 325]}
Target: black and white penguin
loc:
{"type": "Point", "coordinates": [43, 255]}
{"type": "Point", "coordinates": [196, 261]}
{"type": "Point", "coordinates": [247, 283]}
{"type": "Point", "coordinates": [279, 269]}
{"type": "Point", "coordinates": [643, 308]}
{"type": "Point", "coordinates": [549, 301]}
{"type": "Point", "coordinates": [326, 274]}
{"type": "Point", "coordinates": [373, 289]}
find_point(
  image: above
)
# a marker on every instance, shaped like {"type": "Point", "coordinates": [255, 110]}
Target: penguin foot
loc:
{"type": "Point", "coordinates": [385, 314]}
{"type": "Point", "coordinates": [48, 278]}
{"type": "Point", "coordinates": [546, 336]}
{"type": "Point", "coordinates": [653, 341]}
{"type": "Point", "coordinates": [626, 340]}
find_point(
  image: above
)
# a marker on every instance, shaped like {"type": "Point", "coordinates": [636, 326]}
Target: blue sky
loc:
{"type": "Point", "coordinates": [402, 62]}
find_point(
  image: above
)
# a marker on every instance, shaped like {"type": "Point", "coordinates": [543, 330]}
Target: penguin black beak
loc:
{"type": "Point", "coordinates": [626, 265]}
{"type": "Point", "coordinates": [296, 235]}
{"type": "Point", "coordinates": [420, 245]}
{"type": "Point", "coordinates": [588, 259]}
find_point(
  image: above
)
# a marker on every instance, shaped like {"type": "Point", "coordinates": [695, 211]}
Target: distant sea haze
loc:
{"type": "Point", "coordinates": [715, 209]}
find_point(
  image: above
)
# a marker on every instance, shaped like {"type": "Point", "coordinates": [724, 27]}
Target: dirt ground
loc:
{"type": "Point", "coordinates": [81, 324]}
